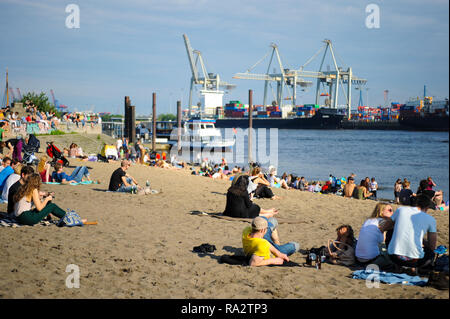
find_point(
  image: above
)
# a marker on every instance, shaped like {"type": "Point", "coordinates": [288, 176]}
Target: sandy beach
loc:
{"type": "Point", "coordinates": [142, 245]}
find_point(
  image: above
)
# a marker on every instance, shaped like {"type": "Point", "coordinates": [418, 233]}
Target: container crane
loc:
{"type": "Point", "coordinates": [12, 94]}
{"type": "Point", "coordinates": [292, 78]}
{"type": "Point", "coordinates": [19, 94]}
{"type": "Point", "coordinates": [210, 82]}
{"type": "Point", "coordinates": [58, 106]}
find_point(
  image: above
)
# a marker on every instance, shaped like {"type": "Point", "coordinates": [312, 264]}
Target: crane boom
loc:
{"type": "Point", "coordinates": [19, 94]}
{"type": "Point", "coordinates": [191, 57]}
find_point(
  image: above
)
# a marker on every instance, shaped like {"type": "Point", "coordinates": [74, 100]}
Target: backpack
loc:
{"type": "Point", "coordinates": [70, 219]}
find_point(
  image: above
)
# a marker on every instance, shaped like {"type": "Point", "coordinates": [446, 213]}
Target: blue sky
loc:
{"type": "Point", "coordinates": [135, 47]}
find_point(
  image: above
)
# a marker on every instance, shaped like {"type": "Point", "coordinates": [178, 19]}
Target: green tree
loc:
{"type": "Point", "coordinates": [167, 117]}
{"type": "Point", "coordinates": [40, 100]}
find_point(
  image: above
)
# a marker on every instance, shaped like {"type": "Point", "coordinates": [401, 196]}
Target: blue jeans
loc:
{"type": "Point", "coordinates": [126, 189]}
{"type": "Point", "coordinates": [78, 173]}
{"type": "Point", "coordinates": [288, 248]}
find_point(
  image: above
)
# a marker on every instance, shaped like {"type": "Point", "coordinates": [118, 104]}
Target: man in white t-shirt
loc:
{"type": "Point", "coordinates": [407, 246]}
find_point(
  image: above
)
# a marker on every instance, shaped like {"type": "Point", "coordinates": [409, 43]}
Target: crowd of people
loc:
{"type": "Point", "coordinates": [15, 121]}
{"type": "Point", "coordinates": [390, 239]}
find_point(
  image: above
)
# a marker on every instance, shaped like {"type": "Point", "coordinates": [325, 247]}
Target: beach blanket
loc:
{"type": "Point", "coordinates": [249, 220]}
{"type": "Point", "coordinates": [390, 278]}
{"type": "Point", "coordinates": [80, 183]}
{"type": "Point", "coordinates": [9, 221]}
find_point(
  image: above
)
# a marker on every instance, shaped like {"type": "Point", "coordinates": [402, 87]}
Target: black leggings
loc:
{"type": "Point", "coordinates": [262, 191]}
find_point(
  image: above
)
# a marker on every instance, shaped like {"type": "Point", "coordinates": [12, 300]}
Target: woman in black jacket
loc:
{"type": "Point", "coordinates": [239, 203]}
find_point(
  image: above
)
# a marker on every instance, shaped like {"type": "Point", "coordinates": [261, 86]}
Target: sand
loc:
{"type": "Point", "coordinates": [142, 245]}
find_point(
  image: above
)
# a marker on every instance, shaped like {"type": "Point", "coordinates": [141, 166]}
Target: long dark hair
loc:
{"type": "Point", "coordinates": [240, 187]}
{"type": "Point", "coordinates": [422, 186]}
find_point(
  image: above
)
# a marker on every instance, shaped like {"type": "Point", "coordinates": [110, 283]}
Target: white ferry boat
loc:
{"type": "Point", "coordinates": [201, 133]}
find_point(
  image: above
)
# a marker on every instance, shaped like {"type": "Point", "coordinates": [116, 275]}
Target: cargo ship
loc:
{"type": "Point", "coordinates": [308, 116]}
{"type": "Point", "coordinates": [425, 115]}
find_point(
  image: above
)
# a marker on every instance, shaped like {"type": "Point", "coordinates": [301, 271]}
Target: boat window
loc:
{"type": "Point", "coordinates": [209, 126]}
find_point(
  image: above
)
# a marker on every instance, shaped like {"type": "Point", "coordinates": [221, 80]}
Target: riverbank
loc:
{"type": "Point", "coordinates": [142, 245]}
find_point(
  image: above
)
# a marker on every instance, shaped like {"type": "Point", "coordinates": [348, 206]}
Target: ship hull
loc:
{"type": "Point", "coordinates": [330, 121]}
{"type": "Point", "coordinates": [425, 123]}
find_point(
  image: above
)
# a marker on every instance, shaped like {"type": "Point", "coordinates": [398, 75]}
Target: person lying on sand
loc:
{"type": "Point", "coordinates": [259, 251]}
{"type": "Point", "coordinates": [77, 176]}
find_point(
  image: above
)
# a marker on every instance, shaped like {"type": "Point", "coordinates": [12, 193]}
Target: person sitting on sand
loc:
{"type": "Point", "coordinates": [406, 196]}
{"type": "Point", "coordinates": [25, 173]}
{"type": "Point", "coordinates": [12, 178]}
{"type": "Point", "coordinates": [43, 168]}
{"type": "Point", "coordinates": [407, 246]}
{"type": "Point", "coordinates": [28, 196]}
{"type": "Point", "coordinates": [317, 187]}
{"type": "Point", "coordinates": [272, 236]}
{"type": "Point", "coordinates": [435, 196]}
{"type": "Point", "coordinates": [239, 204]}
{"type": "Point", "coordinates": [302, 184]}
{"type": "Point", "coordinates": [345, 235]}
{"type": "Point", "coordinates": [219, 174]}
{"type": "Point", "coordinates": [349, 187]}
{"type": "Point", "coordinates": [274, 180]}
{"type": "Point", "coordinates": [263, 186]}
{"type": "Point", "coordinates": [258, 250]}
{"type": "Point", "coordinates": [80, 172]}
{"type": "Point", "coordinates": [372, 235]}
{"type": "Point", "coordinates": [9, 166]}
{"type": "Point", "coordinates": [362, 191]}
{"type": "Point", "coordinates": [121, 181]}
{"type": "Point", "coordinates": [397, 190]}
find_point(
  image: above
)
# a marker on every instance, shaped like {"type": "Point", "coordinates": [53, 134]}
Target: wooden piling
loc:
{"type": "Point", "coordinates": [154, 123]}
{"type": "Point", "coordinates": [178, 126]}
{"type": "Point", "coordinates": [250, 125]}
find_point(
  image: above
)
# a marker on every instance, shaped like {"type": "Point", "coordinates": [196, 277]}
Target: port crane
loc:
{"type": "Point", "coordinates": [12, 94]}
{"type": "Point", "coordinates": [330, 78]}
{"type": "Point", "coordinates": [19, 94]}
{"type": "Point", "coordinates": [210, 82]}
{"type": "Point", "coordinates": [58, 106]}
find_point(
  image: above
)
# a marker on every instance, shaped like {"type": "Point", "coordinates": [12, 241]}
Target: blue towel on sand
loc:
{"type": "Point", "coordinates": [81, 183]}
{"type": "Point", "coordinates": [390, 278]}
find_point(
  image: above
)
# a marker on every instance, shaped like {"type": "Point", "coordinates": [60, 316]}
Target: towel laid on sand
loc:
{"type": "Point", "coordinates": [390, 278]}
{"type": "Point", "coordinates": [9, 221]}
{"type": "Point", "coordinates": [80, 183]}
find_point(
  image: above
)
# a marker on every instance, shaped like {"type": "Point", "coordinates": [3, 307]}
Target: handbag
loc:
{"type": "Point", "coordinates": [70, 219]}
{"type": "Point", "coordinates": [344, 257]}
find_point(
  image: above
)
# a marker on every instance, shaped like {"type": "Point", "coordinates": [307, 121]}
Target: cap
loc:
{"type": "Point", "coordinates": [259, 223]}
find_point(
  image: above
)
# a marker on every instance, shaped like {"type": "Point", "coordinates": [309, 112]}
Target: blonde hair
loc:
{"type": "Point", "coordinates": [255, 171]}
{"type": "Point", "coordinates": [379, 210]}
{"type": "Point", "coordinates": [41, 164]}
{"type": "Point", "coordinates": [18, 168]}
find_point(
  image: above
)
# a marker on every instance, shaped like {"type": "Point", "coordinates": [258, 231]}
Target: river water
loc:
{"type": "Point", "coordinates": [385, 155]}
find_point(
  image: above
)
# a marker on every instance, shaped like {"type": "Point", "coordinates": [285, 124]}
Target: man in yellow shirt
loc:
{"type": "Point", "coordinates": [260, 251]}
